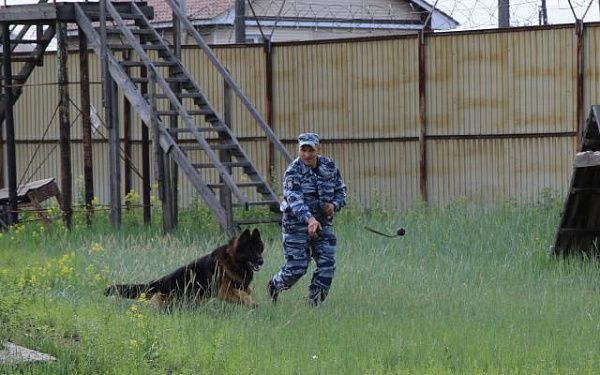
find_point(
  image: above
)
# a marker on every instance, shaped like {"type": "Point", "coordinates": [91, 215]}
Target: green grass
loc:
{"type": "Point", "coordinates": [468, 290]}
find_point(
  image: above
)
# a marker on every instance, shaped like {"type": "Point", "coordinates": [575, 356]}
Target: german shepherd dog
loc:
{"type": "Point", "coordinates": [225, 273]}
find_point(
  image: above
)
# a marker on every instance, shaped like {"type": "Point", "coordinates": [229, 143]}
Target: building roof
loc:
{"type": "Point", "coordinates": [196, 9]}
{"type": "Point", "coordinates": [210, 9]}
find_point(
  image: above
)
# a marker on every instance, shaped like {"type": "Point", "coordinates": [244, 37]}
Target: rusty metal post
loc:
{"type": "Point", "coordinates": [86, 131]}
{"type": "Point", "coordinates": [66, 183]}
{"type": "Point", "coordinates": [9, 123]}
{"type": "Point", "coordinates": [580, 116]}
{"type": "Point", "coordinates": [422, 120]}
{"type": "Point", "coordinates": [269, 89]}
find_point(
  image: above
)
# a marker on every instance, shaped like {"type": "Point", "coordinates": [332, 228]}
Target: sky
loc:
{"type": "Point", "coordinates": [478, 14]}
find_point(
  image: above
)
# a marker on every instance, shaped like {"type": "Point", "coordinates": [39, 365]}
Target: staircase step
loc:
{"type": "Point", "coordinates": [168, 79]}
{"type": "Point", "coordinates": [19, 77]}
{"type": "Point", "coordinates": [25, 59]}
{"type": "Point", "coordinates": [28, 41]}
{"type": "Point", "coordinates": [238, 184]}
{"type": "Point", "coordinates": [218, 146]}
{"type": "Point", "coordinates": [133, 31]}
{"type": "Point", "coordinates": [202, 130]}
{"type": "Point", "coordinates": [92, 14]}
{"type": "Point", "coordinates": [16, 78]}
{"type": "Point", "coordinates": [231, 164]}
{"type": "Point", "coordinates": [175, 113]}
{"type": "Point", "coordinates": [182, 95]}
{"type": "Point", "coordinates": [258, 203]}
{"type": "Point", "coordinates": [127, 47]}
{"type": "Point", "coordinates": [128, 63]}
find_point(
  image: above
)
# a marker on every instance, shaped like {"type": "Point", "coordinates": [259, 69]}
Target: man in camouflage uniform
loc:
{"type": "Point", "coordinates": [313, 192]}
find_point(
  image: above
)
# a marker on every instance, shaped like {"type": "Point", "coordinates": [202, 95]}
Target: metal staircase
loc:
{"type": "Point", "coordinates": [202, 143]}
{"type": "Point", "coordinates": [30, 60]}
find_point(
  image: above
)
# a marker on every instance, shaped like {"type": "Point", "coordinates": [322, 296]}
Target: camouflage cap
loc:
{"type": "Point", "coordinates": [308, 139]}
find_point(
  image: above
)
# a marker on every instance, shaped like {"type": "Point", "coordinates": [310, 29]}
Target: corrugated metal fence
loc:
{"type": "Point", "coordinates": [500, 112]}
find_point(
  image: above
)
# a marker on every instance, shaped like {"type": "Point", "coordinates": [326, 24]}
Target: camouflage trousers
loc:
{"type": "Point", "coordinates": [298, 249]}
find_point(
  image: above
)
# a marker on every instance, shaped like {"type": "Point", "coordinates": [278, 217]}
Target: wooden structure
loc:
{"type": "Point", "coordinates": [579, 230]}
{"type": "Point", "coordinates": [30, 195]}
{"type": "Point", "coordinates": [149, 72]}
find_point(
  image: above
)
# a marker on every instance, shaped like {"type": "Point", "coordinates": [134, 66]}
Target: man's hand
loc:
{"type": "Point", "coordinates": [328, 210]}
{"type": "Point", "coordinates": [313, 227]}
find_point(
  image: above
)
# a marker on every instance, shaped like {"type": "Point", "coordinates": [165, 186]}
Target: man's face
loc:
{"type": "Point", "coordinates": [309, 155]}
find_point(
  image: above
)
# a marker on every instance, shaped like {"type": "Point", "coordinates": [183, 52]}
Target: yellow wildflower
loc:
{"type": "Point", "coordinates": [97, 248]}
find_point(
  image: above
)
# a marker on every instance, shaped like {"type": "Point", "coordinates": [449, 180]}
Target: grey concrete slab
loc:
{"type": "Point", "coordinates": [11, 353]}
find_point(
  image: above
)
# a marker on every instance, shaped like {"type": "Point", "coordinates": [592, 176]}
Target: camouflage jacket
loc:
{"type": "Point", "coordinates": [306, 190]}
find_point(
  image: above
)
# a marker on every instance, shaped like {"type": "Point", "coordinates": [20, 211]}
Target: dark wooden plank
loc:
{"type": "Point", "coordinates": [145, 160]}
{"type": "Point", "coordinates": [29, 13]}
{"type": "Point", "coordinates": [52, 12]}
{"type": "Point", "coordinates": [9, 125]}
{"type": "Point", "coordinates": [64, 116]}
{"type": "Point", "coordinates": [127, 155]}
{"type": "Point", "coordinates": [86, 131]}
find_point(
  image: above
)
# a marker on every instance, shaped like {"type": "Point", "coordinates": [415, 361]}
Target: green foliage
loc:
{"type": "Point", "coordinates": [468, 289]}
{"type": "Point", "coordinates": [12, 314]}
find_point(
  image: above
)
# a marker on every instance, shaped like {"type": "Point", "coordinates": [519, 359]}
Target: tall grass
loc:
{"type": "Point", "coordinates": [467, 290]}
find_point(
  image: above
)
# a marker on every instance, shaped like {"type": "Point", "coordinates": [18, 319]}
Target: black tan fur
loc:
{"type": "Point", "coordinates": [225, 273]}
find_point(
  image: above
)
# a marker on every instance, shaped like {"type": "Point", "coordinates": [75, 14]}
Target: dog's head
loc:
{"type": "Point", "coordinates": [248, 249]}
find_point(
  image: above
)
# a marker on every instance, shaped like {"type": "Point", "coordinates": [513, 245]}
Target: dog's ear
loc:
{"type": "Point", "coordinates": [245, 235]}
{"type": "Point", "coordinates": [255, 233]}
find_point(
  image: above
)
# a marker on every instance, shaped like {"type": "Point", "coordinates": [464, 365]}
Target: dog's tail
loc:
{"type": "Point", "coordinates": [126, 290]}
